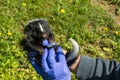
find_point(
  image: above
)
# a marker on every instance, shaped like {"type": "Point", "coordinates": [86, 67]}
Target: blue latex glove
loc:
{"type": "Point", "coordinates": [54, 66]}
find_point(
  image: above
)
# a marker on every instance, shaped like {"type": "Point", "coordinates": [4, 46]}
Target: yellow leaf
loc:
{"type": "Point", "coordinates": [24, 4]}
{"type": "Point", "coordinates": [62, 10]}
{"type": "Point", "coordinates": [9, 33]}
{"type": "Point", "coordinates": [0, 33]}
{"type": "Point", "coordinates": [116, 32]}
{"type": "Point", "coordinates": [106, 49]}
{"type": "Point", "coordinates": [105, 28]}
{"type": "Point", "coordinates": [102, 55]}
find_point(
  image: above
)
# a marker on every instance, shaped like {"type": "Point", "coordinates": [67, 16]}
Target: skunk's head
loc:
{"type": "Point", "coordinates": [36, 31]}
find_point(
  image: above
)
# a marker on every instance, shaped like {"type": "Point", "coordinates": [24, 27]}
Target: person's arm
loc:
{"type": "Point", "coordinates": [97, 69]}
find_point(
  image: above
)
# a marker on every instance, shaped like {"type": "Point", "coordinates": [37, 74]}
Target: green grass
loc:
{"type": "Point", "coordinates": [91, 26]}
{"type": "Point", "coordinates": [117, 2]}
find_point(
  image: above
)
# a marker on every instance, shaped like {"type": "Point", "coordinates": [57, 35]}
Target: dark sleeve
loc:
{"type": "Point", "coordinates": [35, 66]}
{"type": "Point", "coordinates": [31, 58]}
{"type": "Point", "coordinates": [97, 69]}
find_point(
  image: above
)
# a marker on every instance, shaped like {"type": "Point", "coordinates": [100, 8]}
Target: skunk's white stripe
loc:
{"type": "Point", "coordinates": [41, 27]}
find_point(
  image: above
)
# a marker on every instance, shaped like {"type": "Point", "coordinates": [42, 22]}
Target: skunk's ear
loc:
{"type": "Point", "coordinates": [51, 37]}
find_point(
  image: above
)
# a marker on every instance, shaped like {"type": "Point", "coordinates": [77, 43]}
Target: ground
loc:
{"type": "Point", "coordinates": [111, 9]}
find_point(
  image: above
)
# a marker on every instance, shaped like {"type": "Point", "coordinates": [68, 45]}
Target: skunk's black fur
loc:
{"type": "Point", "coordinates": [34, 36]}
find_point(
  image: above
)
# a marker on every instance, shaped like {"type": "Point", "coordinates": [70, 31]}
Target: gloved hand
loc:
{"type": "Point", "coordinates": [53, 64]}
